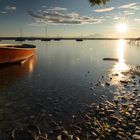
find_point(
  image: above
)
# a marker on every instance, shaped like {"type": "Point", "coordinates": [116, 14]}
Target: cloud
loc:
{"type": "Point", "coordinates": [53, 17]}
{"type": "Point", "coordinates": [104, 10]}
{"type": "Point", "coordinates": [117, 18]}
{"type": "Point", "coordinates": [44, 6]}
{"type": "Point", "coordinates": [129, 6]}
{"type": "Point", "coordinates": [96, 35]}
{"type": "Point", "coordinates": [57, 9]}
{"type": "Point", "coordinates": [3, 12]}
{"type": "Point", "coordinates": [128, 13]}
{"type": "Point", "coordinates": [10, 8]}
{"type": "Point", "coordinates": [137, 20]}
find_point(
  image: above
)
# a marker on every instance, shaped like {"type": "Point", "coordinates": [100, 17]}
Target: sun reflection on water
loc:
{"type": "Point", "coordinates": [121, 65]}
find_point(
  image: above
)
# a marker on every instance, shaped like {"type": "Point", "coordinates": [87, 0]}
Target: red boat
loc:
{"type": "Point", "coordinates": [11, 53]}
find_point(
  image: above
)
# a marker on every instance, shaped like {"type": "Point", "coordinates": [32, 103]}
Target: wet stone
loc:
{"type": "Point", "coordinates": [91, 83]}
{"type": "Point", "coordinates": [130, 109]}
{"type": "Point", "coordinates": [114, 130]}
{"type": "Point", "coordinates": [64, 135]}
{"type": "Point", "coordinates": [137, 132]}
{"type": "Point", "coordinates": [75, 138]}
{"type": "Point", "coordinates": [115, 118]}
{"type": "Point", "coordinates": [8, 104]}
{"type": "Point", "coordinates": [93, 134]}
{"type": "Point", "coordinates": [102, 113]}
{"type": "Point", "coordinates": [120, 129]}
{"type": "Point", "coordinates": [124, 125]}
{"type": "Point", "coordinates": [30, 132]}
{"type": "Point", "coordinates": [137, 128]}
{"type": "Point", "coordinates": [107, 84]}
{"type": "Point", "coordinates": [58, 129]}
{"type": "Point", "coordinates": [50, 115]}
{"type": "Point", "coordinates": [136, 137]}
{"type": "Point", "coordinates": [91, 88]}
{"type": "Point", "coordinates": [121, 134]}
{"type": "Point", "coordinates": [43, 115]}
{"type": "Point", "coordinates": [76, 127]}
{"type": "Point", "coordinates": [119, 137]}
{"type": "Point", "coordinates": [32, 117]}
{"type": "Point", "coordinates": [134, 120]}
{"type": "Point", "coordinates": [111, 111]}
{"type": "Point", "coordinates": [132, 125]}
{"type": "Point", "coordinates": [59, 137]}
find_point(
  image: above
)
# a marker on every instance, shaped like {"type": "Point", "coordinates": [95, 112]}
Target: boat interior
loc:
{"type": "Point", "coordinates": [17, 45]}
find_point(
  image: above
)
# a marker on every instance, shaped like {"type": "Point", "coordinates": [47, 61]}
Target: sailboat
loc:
{"type": "Point", "coordinates": [20, 38]}
{"type": "Point", "coordinates": [46, 39]}
{"type": "Point", "coordinates": [79, 39]}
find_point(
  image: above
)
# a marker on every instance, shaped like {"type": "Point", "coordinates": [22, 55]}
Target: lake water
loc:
{"type": "Point", "coordinates": [59, 80]}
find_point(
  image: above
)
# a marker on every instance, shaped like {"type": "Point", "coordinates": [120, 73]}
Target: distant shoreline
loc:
{"type": "Point", "coordinates": [62, 38]}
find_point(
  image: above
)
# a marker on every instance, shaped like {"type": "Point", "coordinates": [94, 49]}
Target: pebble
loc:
{"type": "Point", "coordinates": [114, 118]}
{"type": "Point", "coordinates": [93, 134]}
{"type": "Point", "coordinates": [114, 130]}
{"type": "Point", "coordinates": [120, 129]}
{"type": "Point", "coordinates": [91, 83]}
{"type": "Point", "coordinates": [124, 125]}
{"type": "Point", "coordinates": [102, 113]}
{"type": "Point", "coordinates": [59, 137]}
{"type": "Point", "coordinates": [32, 117]}
{"type": "Point", "coordinates": [137, 132]}
{"type": "Point", "coordinates": [119, 137]}
{"type": "Point", "coordinates": [111, 111]}
{"type": "Point", "coordinates": [121, 134]}
{"type": "Point", "coordinates": [136, 137]}
{"type": "Point", "coordinates": [132, 125]}
{"type": "Point", "coordinates": [75, 138]}
{"type": "Point", "coordinates": [8, 104]}
{"type": "Point", "coordinates": [64, 135]}
{"type": "Point", "coordinates": [107, 84]}
{"type": "Point", "coordinates": [91, 88]}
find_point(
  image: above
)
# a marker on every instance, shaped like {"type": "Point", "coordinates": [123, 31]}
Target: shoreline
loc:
{"type": "Point", "coordinates": [107, 119]}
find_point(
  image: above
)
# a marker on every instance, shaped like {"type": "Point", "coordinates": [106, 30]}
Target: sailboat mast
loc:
{"type": "Point", "coordinates": [20, 31]}
{"type": "Point", "coordinates": [46, 31]}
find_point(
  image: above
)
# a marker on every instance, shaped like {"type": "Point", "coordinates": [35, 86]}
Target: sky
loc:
{"type": "Point", "coordinates": [69, 18]}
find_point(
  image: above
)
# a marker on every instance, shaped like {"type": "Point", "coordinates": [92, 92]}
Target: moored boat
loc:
{"type": "Point", "coordinates": [79, 39]}
{"type": "Point", "coordinates": [11, 53]}
{"type": "Point", "coordinates": [111, 59]}
{"type": "Point", "coordinates": [46, 39]}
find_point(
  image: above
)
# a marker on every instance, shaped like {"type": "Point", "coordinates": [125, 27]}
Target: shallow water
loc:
{"type": "Point", "coordinates": [57, 81]}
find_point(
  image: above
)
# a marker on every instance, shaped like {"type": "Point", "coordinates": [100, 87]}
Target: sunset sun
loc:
{"type": "Point", "coordinates": [121, 27]}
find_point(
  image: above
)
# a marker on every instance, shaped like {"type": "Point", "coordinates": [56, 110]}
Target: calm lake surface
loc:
{"type": "Point", "coordinates": [57, 81]}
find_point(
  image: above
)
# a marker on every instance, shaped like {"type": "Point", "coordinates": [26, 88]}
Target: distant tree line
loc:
{"type": "Point", "coordinates": [98, 2]}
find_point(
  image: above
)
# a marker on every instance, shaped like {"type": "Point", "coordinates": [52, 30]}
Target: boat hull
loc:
{"type": "Point", "coordinates": [15, 54]}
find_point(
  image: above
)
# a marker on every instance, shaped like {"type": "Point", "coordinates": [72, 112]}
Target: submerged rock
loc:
{"type": "Point", "coordinates": [31, 132]}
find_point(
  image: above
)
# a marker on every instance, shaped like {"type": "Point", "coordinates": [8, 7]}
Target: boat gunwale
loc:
{"type": "Point", "coordinates": [17, 47]}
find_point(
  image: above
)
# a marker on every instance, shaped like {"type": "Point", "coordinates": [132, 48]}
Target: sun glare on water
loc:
{"type": "Point", "coordinates": [121, 65]}
{"type": "Point", "coordinates": [121, 27]}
